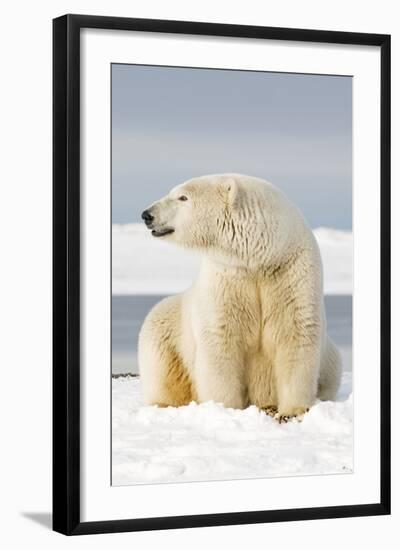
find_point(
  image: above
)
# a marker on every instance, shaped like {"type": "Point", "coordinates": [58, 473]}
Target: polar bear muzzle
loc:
{"type": "Point", "coordinates": [150, 222]}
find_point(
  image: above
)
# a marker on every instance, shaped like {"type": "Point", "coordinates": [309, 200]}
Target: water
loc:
{"type": "Point", "coordinates": [128, 313]}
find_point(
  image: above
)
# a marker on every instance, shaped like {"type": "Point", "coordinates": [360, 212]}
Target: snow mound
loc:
{"type": "Point", "coordinates": [144, 265]}
{"type": "Point", "coordinates": [337, 259]}
{"type": "Point", "coordinates": [211, 442]}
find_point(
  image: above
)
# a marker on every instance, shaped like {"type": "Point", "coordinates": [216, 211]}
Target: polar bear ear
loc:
{"type": "Point", "coordinates": [232, 189]}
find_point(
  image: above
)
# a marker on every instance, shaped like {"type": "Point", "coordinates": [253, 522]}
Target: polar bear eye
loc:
{"type": "Point", "coordinates": [182, 198]}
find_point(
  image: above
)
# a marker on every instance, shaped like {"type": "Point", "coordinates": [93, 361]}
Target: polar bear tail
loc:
{"type": "Point", "coordinates": [330, 372]}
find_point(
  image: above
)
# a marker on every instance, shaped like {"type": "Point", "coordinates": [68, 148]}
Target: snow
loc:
{"type": "Point", "coordinates": [209, 442]}
{"type": "Point", "coordinates": [337, 259]}
{"type": "Point", "coordinates": [142, 264]}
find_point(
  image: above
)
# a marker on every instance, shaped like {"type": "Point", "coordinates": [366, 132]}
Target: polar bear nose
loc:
{"type": "Point", "coordinates": [147, 217]}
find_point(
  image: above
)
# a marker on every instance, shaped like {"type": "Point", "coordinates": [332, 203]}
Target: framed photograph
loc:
{"type": "Point", "coordinates": [221, 274]}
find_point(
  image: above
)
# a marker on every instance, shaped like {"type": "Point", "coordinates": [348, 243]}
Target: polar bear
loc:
{"type": "Point", "coordinates": [251, 329]}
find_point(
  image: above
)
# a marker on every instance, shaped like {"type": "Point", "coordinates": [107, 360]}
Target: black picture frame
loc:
{"type": "Point", "coordinates": [66, 273]}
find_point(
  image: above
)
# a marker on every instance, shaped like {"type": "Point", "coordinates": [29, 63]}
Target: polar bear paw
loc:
{"type": "Point", "coordinates": [297, 413]}
{"type": "Point", "coordinates": [270, 410]}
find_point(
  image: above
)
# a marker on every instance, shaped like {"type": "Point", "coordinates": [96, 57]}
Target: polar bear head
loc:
{"type": "Point", "coordinates": [236, 218]}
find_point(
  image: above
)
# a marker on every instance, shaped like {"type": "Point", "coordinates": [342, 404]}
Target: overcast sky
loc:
{"type": "Point", "coordinates": [171, 124]}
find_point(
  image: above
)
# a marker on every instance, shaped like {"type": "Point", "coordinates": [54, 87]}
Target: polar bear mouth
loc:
{"type": "Point", "coordinates": [162, 232]}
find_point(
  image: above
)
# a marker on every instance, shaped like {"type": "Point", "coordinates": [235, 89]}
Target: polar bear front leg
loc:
{"type": "Point", "coordinates": [219, 374]}
{"type": "Point", "coordinates": [296, 377]}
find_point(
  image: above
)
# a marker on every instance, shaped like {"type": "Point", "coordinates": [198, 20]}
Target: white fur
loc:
{"type": "Point", "coordinates": [251, 329]}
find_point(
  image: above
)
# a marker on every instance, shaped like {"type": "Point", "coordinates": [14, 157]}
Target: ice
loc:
{"type": "Point", "coordinates": [142, 264]}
